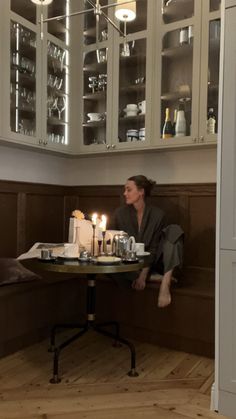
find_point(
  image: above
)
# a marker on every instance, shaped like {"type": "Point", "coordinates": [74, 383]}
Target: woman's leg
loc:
{"type": "Point", "coordinates": [164, 296]}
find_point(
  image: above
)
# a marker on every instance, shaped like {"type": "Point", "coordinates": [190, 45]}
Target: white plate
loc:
{"type": "Point", "coordinates": [107, 260]}
{"type": "Point", "coordinates": [143, 254]}
{"type": "Point", "coordinates": [68, 257]}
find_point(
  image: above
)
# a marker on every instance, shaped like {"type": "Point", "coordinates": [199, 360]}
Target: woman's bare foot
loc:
{"type": "Point", "coordinates": [164, 297]}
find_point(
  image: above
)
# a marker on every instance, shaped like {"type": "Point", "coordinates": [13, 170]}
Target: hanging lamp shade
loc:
{"type": "Point", "coordinates": [42, 2]}
{"type": "Point", "coordinates": [125, 12]}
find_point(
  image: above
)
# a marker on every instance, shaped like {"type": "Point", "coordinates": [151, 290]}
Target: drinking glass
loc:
{"type": "Point", "coordinates": [60, 105]}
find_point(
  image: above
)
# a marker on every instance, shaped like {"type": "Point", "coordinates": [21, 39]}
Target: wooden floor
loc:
{"type": "Point", "coordinates": [171, 384]}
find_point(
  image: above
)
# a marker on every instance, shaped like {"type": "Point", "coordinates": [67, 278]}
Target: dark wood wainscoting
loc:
{"type": "Point", "coordinates": [36, 212]}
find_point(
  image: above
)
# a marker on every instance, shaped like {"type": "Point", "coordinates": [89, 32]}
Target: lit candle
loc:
{"type": "Point", "coordinates": [94, 219]}
{"type": "Point", "coordinates": [104, 222]}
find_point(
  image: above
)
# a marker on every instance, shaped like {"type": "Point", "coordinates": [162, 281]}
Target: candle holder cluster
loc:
{"type": "Point", "coordinates": [102, 245]}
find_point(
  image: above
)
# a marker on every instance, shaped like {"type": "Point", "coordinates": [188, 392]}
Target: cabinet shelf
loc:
{"type": "Point", "coordinates": [125, 119]}
{"type": "Point", "coordinates": [55, 121]}
{"type": "Point", "coordinates": [95, 67]}
{"type": "Point", "coordinates": [23, 111]}
{"type": "Point", "coordinates": [95, 124]}
{"type": "Point", "coordinates": [173, 96]}
{"type": "Point", "coordinates": [25, 50]}
{"type": "Point", "coordinates": [95, 96]}
{"type": "Point", "coordinates": [133, 59]}
{"type": "Point", "coordinates": [178, 10]}
{"type": "Point", "coordinates": [133, 88]}
{"type": "Point", "coordinates": [178, 52]}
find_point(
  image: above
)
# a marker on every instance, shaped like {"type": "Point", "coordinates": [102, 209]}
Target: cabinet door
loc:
{"type": "Point", "coordinates": [22, 75]}
{"type": "Point", "coordinates": [228, 196]}
{"type": "Point", "coordinates": [179, 62]}
{"type": "Point", "coordinates": [227, 335]}
{"type": "Point", "coordinates": [55, 80]}
{"type": "Point", "coordinates": [132, 98]}
{"type": "Point", "coordinates": [209, 81]}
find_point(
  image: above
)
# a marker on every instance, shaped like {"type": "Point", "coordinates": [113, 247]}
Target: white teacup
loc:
{"type": "Point", "coordinates": [70, 250]}
{"type": "Point", "coordinates": [142, 106]}
{"type": "Point", "coordinates": [94, 116]}
{"type": "Point", "coordinates": [139, 248]}
{"type": "Point", "coordinates": [132, 107]}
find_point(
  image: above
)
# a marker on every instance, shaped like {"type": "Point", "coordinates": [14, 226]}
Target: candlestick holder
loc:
{"type": "Point", "coordinates": [93, 240]}
{"type": "Point", "coordinates": [99, 247]}
{"type": "Point", "coordinates": [103, 242]}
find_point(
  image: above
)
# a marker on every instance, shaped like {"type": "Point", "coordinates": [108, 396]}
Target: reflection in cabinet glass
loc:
{"type": "Point", "coordinates": [140, 22]}
{"type": "Point", "coordinates": [213, 66]}
{"type": "Point", "coordinates": [132, 99]}
{"type": "Point", "coordinates": [214, 5]}
{"type": "Point", "coordinates": [57, 94]}
{"type": "Point", "coordinates": [91, 26]}
{"type": "Point", "coordinates": [23, 80]}
{"type": "Point", "coordinates": [177, 67]}
{"type": "Point", "coordinates": [175, 10]}
{"type": "Point", "coordinates": [55, 27]}
{"type": "Point", "coordinates": [24, 8]}
{"type": "Point", "coordinates": [95, 96]}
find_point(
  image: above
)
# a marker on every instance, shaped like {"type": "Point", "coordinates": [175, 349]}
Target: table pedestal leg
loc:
{"type": "Point", "coordinates": [89, 324]}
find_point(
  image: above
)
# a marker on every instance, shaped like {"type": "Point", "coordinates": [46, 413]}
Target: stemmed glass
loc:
{"type": "Point", "coordinates": [60, 105]}
{"type": "Point", "coordinates": [93, 83]}
{"type": "Point", "coordinates": [52, 104]}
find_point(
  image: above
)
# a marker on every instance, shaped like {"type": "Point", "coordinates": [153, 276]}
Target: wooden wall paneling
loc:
{"type": "Point", "coordinates": [200, 246]}
{"type": "Point", "coordinates": [45, 218]}
{"type": "Point", "coordinates": [21, 223]}
{"type": "Point", "coordinates": [8, 224]}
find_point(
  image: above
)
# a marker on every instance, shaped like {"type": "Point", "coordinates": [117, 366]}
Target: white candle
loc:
{"type": "Point", "coordinates": [94, 219]}
{"type": "Point", "coordinates": [104, 222]}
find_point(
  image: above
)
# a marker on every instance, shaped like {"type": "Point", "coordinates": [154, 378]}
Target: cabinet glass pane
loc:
{"type": "Point", "coordinates": [213, 67]}
{"type": "Point", "coordinates": [140, 22]}
{"type": "Point", "coordinates": [175, 10]}
{"type": "Point", "coordinates": [132, 99]}
{"type": "Point", "coordinates": [58, 27]}
{"type": "Point", "coordinates": [95, 96]}
{"type": "Point", "coordinates": [214, 5]}
{"type": "Point", "coordinates": [24, 8]}
{"type": "Point", "coordinates": [94, 29]}
{"type": "Point", "coordinates": [57, 94]}
{"type": "Point", "coordinates": [23, 80]}
{"type": "Point", "coordinates": [176, 86]}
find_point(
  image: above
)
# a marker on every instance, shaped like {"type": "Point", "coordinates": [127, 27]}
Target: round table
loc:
{"type": "Point", "coordinates": [90, 271]}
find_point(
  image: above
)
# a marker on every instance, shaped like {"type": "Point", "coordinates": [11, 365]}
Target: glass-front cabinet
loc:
{"type": "Point", "coordinates": [38, 97]}
{"type": "Point", "coordinates": [114, 81]}
{"type": "Point", "coordinates": [189, 72]}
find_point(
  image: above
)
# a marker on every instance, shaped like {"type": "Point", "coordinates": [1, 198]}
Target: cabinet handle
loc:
{"type": "Point", "coordinates": [108, 146]}
{"type": "Point", "coordinates": [45, 142]}
{"type": "Point", "coordinates": [113, 146]}
{"type": "Point", "coordinates": [40, 141]}
{"type": "Point", "coordinates": [195, 139]}
{"type": "Point", "coordinates": [202, 138]}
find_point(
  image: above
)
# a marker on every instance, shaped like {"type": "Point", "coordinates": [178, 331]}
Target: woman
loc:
{"type": "Point", "coordinates": [147, 224]}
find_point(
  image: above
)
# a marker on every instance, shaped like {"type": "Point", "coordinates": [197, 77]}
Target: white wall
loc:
{"type": "Point", "coordinates": [182, 166]}
{"type": "Point", "coordinates": [189, 166]}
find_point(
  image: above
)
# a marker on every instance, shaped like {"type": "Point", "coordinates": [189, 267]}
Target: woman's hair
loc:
{"type": "Point", "coordinates": [143, 183]}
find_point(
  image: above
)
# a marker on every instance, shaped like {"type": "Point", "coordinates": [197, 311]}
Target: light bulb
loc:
{"type": "Point", "coordinates": [125, 12]}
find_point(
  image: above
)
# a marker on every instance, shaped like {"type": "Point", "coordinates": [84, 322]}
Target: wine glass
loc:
{"type": "Point", "coordinates": [52, 104]}
{"type": "Point", "coordinates": [60, 105]}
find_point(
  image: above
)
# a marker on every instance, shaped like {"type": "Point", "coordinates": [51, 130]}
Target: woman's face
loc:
{"type": "Point", "coordinates": [132, 194]}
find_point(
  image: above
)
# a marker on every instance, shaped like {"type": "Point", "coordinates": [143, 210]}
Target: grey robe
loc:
{"type": "Point", "coordinates": [165, 243]}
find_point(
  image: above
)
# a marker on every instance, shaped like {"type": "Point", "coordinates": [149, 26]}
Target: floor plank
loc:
{"type": "Point", "coordinates": [95, 384]}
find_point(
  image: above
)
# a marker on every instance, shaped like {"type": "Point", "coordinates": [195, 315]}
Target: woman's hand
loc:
{"type": "Point", "coordinates": [140, 283]}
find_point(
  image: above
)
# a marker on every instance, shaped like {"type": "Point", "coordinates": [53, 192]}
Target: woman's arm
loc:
{"type": "Point", "coordinates": [140, 282]}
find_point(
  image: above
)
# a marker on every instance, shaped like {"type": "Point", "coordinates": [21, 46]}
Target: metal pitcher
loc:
{"type": "Point", "coordinates": [119, 243]}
